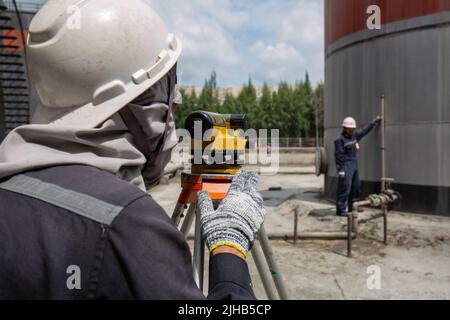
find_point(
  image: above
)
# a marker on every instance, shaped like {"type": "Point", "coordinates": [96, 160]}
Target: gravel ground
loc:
{"type": "Point", "coordinates": [414, 265]}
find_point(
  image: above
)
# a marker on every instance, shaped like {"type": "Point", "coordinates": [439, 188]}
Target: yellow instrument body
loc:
{"type": "Point", "coordinates": [222, 144]}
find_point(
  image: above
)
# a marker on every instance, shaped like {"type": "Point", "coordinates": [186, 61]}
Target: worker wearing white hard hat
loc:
{"type": "Point", "coordinates": [77, 221]}
{"type": "Point", "coordinates": [346, 157]}
{"type": "Point", "coordinates": [349, 123]}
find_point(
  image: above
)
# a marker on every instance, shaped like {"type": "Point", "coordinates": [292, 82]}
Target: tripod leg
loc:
{"type": "Point", "coordinates": [385, 224]}
{"type": "Point", "coordinates": [190, 217]}
{"type": "Point", "coordinates": [265, 277]}
{"type": "Point", "coordinates": [349, 234]}
{"type": "Point", "coordinates": [273, 266]}
{"type": "Point", "coordinates": [178, 213]}
{"type": "Point", "coordinates": [199, 253]}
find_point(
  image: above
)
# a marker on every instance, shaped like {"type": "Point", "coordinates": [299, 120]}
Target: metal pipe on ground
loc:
{"type": "Point", "coordinates": [319, 235]}
{"type": "Point", "coordinates": [296, 225]}
{"type": "Point", "coordinates": [353, 223]}
{"type": "Point", "coordinates": [385, 214]}
{"type": "Point", "coordinates": [359, 204]}
{"type": "Point", "coordinates": [383, 143]}
{"type": "Point", "coordinates": [349, 234]}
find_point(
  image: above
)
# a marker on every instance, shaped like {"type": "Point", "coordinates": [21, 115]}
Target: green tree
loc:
{"type": "Point", "coordinates": [291, 109]}
{"type": "Point", "coordinates": [190, 103]}
{"type": "Point", "coordinates": [283, 103]}
{"type": "Point", "coordinates": [319, 103]}
{"type": "Point", "coordinates": [263, 113]}
{"type": "Point", "coordinates": [209, 99]}
{"type": "Point", "coordinates": [247, 100]}
{"type": "Point", "coordinates": [308, 109]}
{"type": "Point", "coordinates": [229, 105]}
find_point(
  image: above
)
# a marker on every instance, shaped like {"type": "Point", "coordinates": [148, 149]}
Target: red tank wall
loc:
{"type": "Point", "coordinates": [344, 17]}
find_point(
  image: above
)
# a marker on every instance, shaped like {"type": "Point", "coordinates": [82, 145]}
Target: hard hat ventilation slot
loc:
{"type": "Point", "coordinates": [161, 61]}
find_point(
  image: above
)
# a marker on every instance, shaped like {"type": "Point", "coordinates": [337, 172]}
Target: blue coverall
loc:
{"type": "Point", "coordinates": [346, 155]}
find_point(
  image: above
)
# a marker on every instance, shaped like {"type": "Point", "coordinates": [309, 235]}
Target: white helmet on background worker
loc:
{"type": "Point", "coordinates": [88, 59]}
{"type": "Point", "coordinates": [349, 123]}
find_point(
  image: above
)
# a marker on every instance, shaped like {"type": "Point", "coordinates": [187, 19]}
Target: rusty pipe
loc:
{"type": "Point", "coordinates": [308, 236]}
{"type": "Point", "coordinates": [362, 203]}
{"type": "Point", "coordinates": [385, 217]}
{"type": "Point", "coordinates": [296, 226]}
{"type": "Point", "coordinates": [383, 143]}
{"type": "Point", "coordinates": [349, 234]}
{"type": "Point", "coordinates": [319, 235]}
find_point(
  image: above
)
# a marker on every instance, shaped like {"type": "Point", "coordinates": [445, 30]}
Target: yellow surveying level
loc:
{"type": "Point", "coordinates": [217, 146]}
{"type": "Point", "coordinates": [220, 148]}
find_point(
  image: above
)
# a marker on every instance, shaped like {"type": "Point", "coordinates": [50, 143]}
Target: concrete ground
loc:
{"type": "Point", "coordinates": [414, 265]}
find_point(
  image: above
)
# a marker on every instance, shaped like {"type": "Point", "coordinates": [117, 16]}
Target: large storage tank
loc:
{"type": "Point", "coordinates": [408, 61]}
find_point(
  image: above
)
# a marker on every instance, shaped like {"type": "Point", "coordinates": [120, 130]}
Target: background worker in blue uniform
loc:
{"type": "Point", "coordinates": [346, 157]}
{"type": "Point", "coordinates": [76, 221]}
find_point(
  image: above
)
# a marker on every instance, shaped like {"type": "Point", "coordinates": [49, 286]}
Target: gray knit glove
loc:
{"type": "Point", "coordinates": [238, 218]}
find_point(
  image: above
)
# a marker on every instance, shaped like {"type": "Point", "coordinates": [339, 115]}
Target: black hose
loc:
{"type": "Point", "coordinates": [22, 36]}
{"type": "Point", "coordinates": [22, 30]}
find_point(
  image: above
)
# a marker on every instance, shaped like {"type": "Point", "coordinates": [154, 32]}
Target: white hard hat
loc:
{"type": "Point", "coordinates": [349, 123]}
{"type": "Point", "coordinates": [88, 59]}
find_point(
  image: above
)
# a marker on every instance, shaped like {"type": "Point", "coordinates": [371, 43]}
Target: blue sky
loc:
{"type": "Point", "coordinates": [267, 40]}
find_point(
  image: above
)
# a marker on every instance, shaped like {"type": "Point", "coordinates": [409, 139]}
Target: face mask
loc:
{"type": "Point", "coordinates": [151, 122]}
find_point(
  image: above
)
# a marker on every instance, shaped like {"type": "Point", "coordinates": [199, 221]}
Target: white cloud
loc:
{"type": "Point", "coordinates": [221, 11]}
{"type": "Point", "coordinates": [297, 44]}
{"type": "Point", "coordinates": [269, 40]}
{"type": "Point", "coordinates": [206, 30]}
{"type": "Point", "coordinates": [276, 61]}
{"type": "Point", "coordinates": [303, 27]}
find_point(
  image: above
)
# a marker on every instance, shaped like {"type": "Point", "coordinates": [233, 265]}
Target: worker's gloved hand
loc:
{"type": "Point", "coordinates": [341, 174]}
{"type": "Point", "coordinates": [238, 218]}
{"type": "Point", "coordinates": [377, 120]}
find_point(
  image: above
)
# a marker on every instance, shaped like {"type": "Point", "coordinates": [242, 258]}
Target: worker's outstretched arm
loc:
{"type": "Point", "coordinates": [233, 225]}
{"type": "Point", "coordinates": [365, 130]}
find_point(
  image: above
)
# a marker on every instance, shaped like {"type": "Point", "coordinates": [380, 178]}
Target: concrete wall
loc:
{"type": "Point", "coordinates": [304, 157]}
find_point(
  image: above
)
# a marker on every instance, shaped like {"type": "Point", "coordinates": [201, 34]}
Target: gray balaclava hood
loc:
{"type": "Point", "coordinates": [110, 147]}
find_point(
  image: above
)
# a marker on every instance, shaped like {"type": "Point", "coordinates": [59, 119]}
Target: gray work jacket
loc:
{"type": "Point", "coordinates": [77, 232]}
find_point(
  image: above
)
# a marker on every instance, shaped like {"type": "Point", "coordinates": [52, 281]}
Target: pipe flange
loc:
{"type": "Point", "coordinates": [321, 161]}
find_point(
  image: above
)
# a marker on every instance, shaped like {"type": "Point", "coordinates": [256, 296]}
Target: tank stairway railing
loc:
{"type": "Point", "coordinates": [13, 74]}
